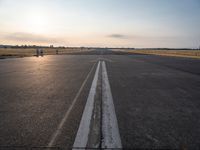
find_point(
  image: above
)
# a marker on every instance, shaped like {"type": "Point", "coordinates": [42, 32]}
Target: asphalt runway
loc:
{"type": "Point", "coordinates": [155, 100]}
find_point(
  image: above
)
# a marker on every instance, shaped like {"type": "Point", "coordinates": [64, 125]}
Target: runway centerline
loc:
{"type": "Point", "coordinates": [109, 131]}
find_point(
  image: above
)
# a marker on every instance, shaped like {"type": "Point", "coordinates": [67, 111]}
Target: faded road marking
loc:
{"type": "Point", "coordinates": [60, 126]}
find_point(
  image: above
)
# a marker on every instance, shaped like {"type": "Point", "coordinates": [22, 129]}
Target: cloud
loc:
{"type": "Point", "coordinates": [125, 36]}
{"type": "Point", "coordinates": [29, 37]}
{"type": "Point", "coordinates": [118, 36]}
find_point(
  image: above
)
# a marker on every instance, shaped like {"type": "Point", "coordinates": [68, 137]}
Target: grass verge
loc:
{"type": "Point", "coordinates": [174, 53]}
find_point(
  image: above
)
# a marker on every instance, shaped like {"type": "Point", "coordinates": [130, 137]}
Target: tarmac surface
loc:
{"type": "Point", "coordinates": [156, 99]}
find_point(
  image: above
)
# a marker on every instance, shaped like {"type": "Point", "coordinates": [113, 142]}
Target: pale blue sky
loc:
{"type": "Point", "coordinates": [114, 23]}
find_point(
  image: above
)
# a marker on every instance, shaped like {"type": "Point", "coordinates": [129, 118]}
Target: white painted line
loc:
{"type": "Point", "coordinates": [84, 127]}
{"type": "Point", "coordinates": [110, 130]}
{"type": "Point", "coordinates": [60, 126]}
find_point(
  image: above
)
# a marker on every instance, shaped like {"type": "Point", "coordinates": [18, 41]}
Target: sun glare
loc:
{"type": "Point", "coordinates": [37, 22]}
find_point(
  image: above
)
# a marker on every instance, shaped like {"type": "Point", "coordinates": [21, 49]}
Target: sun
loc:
{"type": "Point", "coordinates": [37, 22]}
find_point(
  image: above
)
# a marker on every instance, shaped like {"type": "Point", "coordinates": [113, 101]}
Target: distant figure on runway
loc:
{"type": "Point", "coordinates": [41, 52]}
{"type": "Point", "coordinates": [37, 52]}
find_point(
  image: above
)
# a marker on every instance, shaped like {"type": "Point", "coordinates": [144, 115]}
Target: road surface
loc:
{"type": "Point", "coordinates": [154, 101]}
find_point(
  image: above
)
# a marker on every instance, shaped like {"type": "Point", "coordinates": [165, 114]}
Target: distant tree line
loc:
{"type": "Point", "coordinates": [29, 46]}
{"type": "Point", "coordinates": [64, 47]}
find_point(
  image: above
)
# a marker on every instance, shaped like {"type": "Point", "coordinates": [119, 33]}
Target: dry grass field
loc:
{"type": "Point", "coordinates": [24, 52]}
{"type": "Point", "coordinates": [176, 53]}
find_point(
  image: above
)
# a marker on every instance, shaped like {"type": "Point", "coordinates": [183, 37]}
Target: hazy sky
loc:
{"type": "Point", "coordinates": [113, 23]}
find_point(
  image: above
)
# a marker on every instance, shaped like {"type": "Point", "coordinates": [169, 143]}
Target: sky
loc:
{"type": "Point", "coordinates": [101, 23]}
